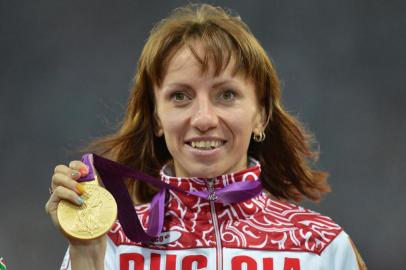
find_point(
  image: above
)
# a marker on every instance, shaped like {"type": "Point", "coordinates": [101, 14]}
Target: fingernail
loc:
{"type": "Point", "coordinates": [79, 187]}
{"type": "Point", "coordinates": [75, 174]}
{"type": "Point", "coordinates": [79, 200]}
{"type": "Point", "coordinates": [83, 171]}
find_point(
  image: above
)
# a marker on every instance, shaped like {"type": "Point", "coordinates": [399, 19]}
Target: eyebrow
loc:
{"type": "Point", "coordinates": [184, 84]}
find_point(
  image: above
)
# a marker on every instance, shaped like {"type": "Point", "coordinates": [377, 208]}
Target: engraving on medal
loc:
{"type": "Point", "coordinates": [88, 216]}
{"type": "Point", "coordinates": [92, 219]}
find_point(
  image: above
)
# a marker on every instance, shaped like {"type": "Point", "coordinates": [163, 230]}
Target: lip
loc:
{"type": "Point", "coordinates": [210, 153]}
{"type": "Point", "coordinates": [207, 153]}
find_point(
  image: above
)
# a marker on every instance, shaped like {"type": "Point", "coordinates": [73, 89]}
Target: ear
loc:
{"type": "Point", "coordinates": [260, 120]}
{"type": "Point", "coordinates": [158, 130]}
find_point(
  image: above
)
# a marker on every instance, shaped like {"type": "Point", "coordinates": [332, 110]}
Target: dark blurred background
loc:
{"type": "Point", "coordinates": [66, 69]}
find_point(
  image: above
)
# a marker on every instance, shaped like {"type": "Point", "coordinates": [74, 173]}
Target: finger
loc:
{"type": "Point", "coordinates": [60, 179]}
{"type": "Point", "coordinates": [62, 193]}
{"type": "Point", "coordinates": [74, 174]}
{"type": "Point", "coordinates": [79, 166]}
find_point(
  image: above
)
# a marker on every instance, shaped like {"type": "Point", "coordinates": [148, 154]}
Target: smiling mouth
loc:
{"type": "Point", "coordinates": [206, 145]}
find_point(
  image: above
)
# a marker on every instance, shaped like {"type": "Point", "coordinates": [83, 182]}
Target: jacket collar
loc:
{"type": "Point", "coordinates": [252, 173]}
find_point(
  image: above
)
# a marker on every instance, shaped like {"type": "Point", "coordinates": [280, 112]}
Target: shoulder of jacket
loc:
{"type": "Point", "coordinates": [342, 254]}
{"type": "Point", "coordinates": [300, 215]}
{"type": "Point", "coordinates": [315, 228]}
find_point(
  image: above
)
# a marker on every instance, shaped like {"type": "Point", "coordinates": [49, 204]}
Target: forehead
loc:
{"type": "Point", "coordinates": [182, 59]}
{"type": "Point", "coordinates": [197, 60]}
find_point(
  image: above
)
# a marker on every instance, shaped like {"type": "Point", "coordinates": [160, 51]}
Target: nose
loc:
{"type": "Point", "coordinates": [204, 116]}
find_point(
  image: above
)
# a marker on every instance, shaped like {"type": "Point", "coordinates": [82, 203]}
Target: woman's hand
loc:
{"type": "Point", "coordinates": [64, 186]}
{"type": "Point", "coordinates": [84, 254]}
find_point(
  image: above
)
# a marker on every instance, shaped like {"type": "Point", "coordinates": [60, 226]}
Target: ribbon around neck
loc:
{"type": "Point", "coordinates": [112, 174]}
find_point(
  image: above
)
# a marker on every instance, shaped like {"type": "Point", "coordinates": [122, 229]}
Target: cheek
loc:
{"type": "Point", "coordinates": [241, 121]}
{"type": "Point", "coordinates": [172, 125]}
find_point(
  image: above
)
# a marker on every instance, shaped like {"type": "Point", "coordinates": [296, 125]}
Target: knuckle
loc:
{"type": "Point", "coordinates": [74, 164]}
{"type": "Point", "coordinates": [59, 168]}
{"type": "Point", "coordinates": [58, 191]}
{"type": "Point", "coordinates": [57, 177]}
{"type": "Point", "coordinates": [54, 177]}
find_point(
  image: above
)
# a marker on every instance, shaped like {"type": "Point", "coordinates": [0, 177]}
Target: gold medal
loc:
{"type": "Point", "coordinates": [93, 218]}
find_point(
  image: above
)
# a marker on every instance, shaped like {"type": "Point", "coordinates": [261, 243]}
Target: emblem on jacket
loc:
{"type": "Point", "coordinates": [166, 238]}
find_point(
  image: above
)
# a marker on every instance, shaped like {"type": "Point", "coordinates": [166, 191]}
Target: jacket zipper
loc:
{"type": "Point", "coordinates": [212, 197]}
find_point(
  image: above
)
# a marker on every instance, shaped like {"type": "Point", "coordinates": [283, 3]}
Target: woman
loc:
{"type": "Point", "coordinates": [205, 113]}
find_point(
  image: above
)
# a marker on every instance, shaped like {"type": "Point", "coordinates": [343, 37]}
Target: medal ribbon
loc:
{"type": "Point", "coordinates": [112, 173]}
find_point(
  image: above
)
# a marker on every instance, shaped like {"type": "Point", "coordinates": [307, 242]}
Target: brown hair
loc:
{"type": "Point", "coordinates": [285, 154]}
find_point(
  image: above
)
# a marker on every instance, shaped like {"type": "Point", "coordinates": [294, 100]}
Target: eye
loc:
{"type": "Point", "coordinates": [179, 97]}
{"type": "Point", "coordinates": [228, 95]}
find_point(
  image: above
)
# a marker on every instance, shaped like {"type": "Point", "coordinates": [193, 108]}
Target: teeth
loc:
{"type": "Point", "coordinates": [206, 144]}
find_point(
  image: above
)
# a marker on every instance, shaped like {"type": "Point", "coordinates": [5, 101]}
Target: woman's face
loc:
{"type": "Point", "coordinates": [207, 120]}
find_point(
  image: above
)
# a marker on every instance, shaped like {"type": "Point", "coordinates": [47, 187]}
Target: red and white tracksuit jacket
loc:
{"type": "Point", "coordinates": [258, 234]}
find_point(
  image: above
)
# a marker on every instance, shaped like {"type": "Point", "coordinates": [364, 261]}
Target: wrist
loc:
{"type": "Point", "coordinates": [87, 256]}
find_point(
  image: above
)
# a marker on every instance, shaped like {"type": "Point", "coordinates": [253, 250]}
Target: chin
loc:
{"type": "Point", "coordinates": [204, 171]}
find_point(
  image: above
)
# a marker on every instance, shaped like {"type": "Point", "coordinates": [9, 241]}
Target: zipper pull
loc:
{"type": "Point", "coordinates": [212, 193]}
